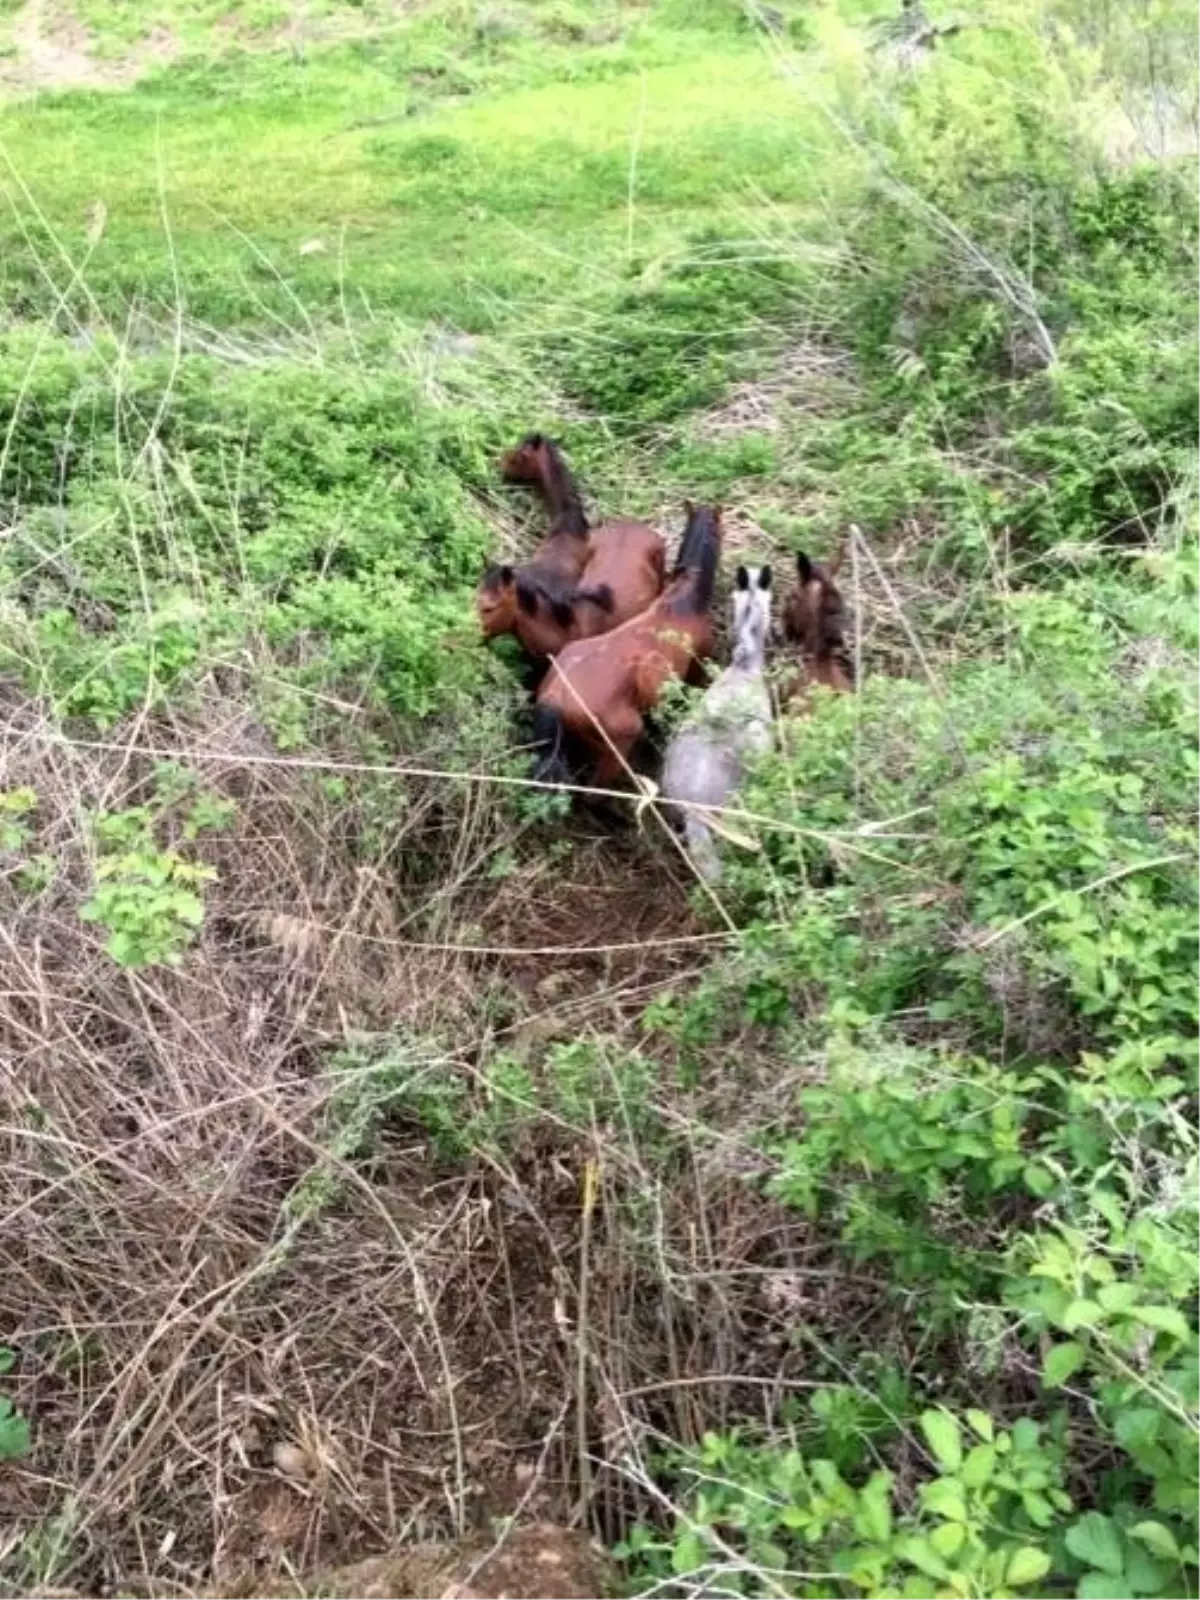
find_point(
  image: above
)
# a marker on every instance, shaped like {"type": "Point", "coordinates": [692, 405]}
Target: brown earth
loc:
{"type": "Point", "coordinates": [539, 1561]}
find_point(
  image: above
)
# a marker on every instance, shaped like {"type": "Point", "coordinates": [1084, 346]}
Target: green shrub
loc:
{"type": "Point", "coordinates": [147, 898]}
{"type": "Point", "coordinates": [752, 1514]}
{"type": "Point", "coordinates": [281, 497]}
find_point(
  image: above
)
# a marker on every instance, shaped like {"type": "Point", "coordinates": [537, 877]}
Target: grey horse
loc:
{"type": "Point", "coordinates": [706, 760]}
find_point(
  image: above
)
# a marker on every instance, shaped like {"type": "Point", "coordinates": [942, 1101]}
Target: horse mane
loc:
{"type": "Point", "coordinates": [494, 576]}
{"type": "Point", "coordinates": [572, 518]}
{"type": "Point", "coordinates": [600, 595]}
{"type": "Point", "coordinates": [699, 552]}
{"type": "Point", "coordinates": [534, 587]}
{"type": "Point", "coordinates": [557, 485]}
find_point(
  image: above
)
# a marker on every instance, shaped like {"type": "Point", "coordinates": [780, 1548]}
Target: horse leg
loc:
{"type": "Point", "coordinates": [700, 847]}
{"type": "Point", "coordinates": [614, 741]}
{"type": "Point", "coordinates": [535, 670]}
{"type": "Point", "coordinates": [696, 675]}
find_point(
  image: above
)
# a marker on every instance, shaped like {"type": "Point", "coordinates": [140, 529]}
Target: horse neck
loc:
{"type": "Point", "coordinates": [690, 592]}
{"type": "Point", "coordinates": [828, 670]}
{"type": "Point", "coordinates": [562, 497]}
{"type": "Point", "coordinates": [539, 630]}
{"type": "Point", "coordinates": [749, 654]}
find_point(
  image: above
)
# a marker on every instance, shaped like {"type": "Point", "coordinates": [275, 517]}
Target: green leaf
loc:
{"type": "Point", "coordinates": [1061, 1363]}
{"type": "Point", "coordinates": [1038, 1509]}
{"type": "Point", "coordinates": [945, 1498]}
{"type": "Point", "coordinates": [947, 1538]}
{"type": "Point", "coordinates": [125, 950]}
{"type": "Point", "coordinates": [982, 1424]}
{"type": "Point", "coordinates": [979, 1465]}
{"type": "Point", "coordinates": [14, 1432]}
{"type": "Point", "coordinates": [1118, 1296]}
{"type": "Point", "coordinates": [873, 1520]}
{"type": "Point", "coordinates": [1102, 1586]}
{"type": "Point", "coordinates": [921, 1554]}
{"type": "Point", "coordinates": [1027, 1565]}
{"type": "Point", "coordinates": [688, 1553]}
{"type": "Point", "coordinates": [1138, 1427]}
{"type": "Point", "coordinates": [1165, 1318]}
{"type": "Point", "coordinates": [1038, 1179]}
{"type": "Point", "coordinates": [941, 1430]}
{"type": "Point", "coordinates": [1095, 1541]}
{"type": "Point", "coordinates": [917, 1589]}
{"type": "Point", "coordinates": [1143, 1574]}
{"type": "Point", "coordinates": [1025, 1434]}
{"type": "Point", "coordinates": [1158, 1537]}
{"type": "Point", "coordinates": [1081, 1314]}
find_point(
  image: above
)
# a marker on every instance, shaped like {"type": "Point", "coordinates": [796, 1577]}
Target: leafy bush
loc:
{"type": "Point", "coordinates": [278, 497]}
{"type": "Point", "coordinates": [752, 1514]}
{"type": "Point", "coordinates": [148, 899]}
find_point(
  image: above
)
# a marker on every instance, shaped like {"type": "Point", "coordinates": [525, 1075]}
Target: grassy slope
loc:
{"type": "Point", "coordinates": [427, 204]}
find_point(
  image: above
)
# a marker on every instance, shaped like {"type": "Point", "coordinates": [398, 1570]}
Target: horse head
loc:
{"type": "Point", "coordinates": [814, 614]}
{"type": "Point", "coordinates": [751, 615]}
{"type": "Point", "coordinates": [496, 601]}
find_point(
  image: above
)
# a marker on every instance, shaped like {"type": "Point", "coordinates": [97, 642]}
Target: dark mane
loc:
{"type": "Point", "coordinates": [699, 552]}
{"type": "Point", "coordinates": [562, 491]}
{"type": "Point", "coordinates": [534, 588]}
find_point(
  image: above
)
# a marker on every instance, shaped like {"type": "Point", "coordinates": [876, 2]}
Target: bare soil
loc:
{"type": "Point", "coordinates": [52, 50]}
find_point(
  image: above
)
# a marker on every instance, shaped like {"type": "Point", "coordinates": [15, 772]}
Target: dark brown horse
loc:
{"type": "Point", "coordinates": [597, 689]}
{"type": "Point", "coordinates": [581, 581]}
{"type": "Point", "coordinates": [814, 618]}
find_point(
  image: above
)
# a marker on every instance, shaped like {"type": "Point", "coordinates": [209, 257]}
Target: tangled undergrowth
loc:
{"type": "Point", "coordinates": [392, 1149]}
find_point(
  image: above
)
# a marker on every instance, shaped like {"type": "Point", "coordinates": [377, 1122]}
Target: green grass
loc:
{"type": "Point", "coordinates": [436, 177]}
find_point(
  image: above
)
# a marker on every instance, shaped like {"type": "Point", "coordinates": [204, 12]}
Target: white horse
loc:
{"type": "Point", "coordinates": [706, 760]}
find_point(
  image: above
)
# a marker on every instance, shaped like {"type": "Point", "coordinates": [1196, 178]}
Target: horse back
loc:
{"type": "Point", "coordinates": [629, 559]}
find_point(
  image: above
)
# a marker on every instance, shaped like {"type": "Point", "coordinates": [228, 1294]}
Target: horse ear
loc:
{"type": "Point", "coordinates": [742, 578]}
{"type": "Point", "coordinates": [535, 441]}
{"type": "Point", "coordinates": [832, 569]}
{"type": "Point", "coordinates": [804, 567]}
{"type": "Point", "coordinates": [689, 509]}
{"type": "Point", "coordinates": [764, 578]}
{"type": "Point", "coordinates": [506, 575]}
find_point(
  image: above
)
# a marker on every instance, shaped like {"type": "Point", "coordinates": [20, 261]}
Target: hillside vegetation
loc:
{"type": "Point", "coordinates": [392, 1146]}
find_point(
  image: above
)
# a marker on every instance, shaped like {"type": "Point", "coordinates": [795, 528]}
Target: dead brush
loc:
{"type": "Point", "coordinates": [240, 1349]}
{"type": "Point", "coordinates": [155, 1123]}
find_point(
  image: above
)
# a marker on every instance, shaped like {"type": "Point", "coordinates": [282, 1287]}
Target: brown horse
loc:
{"type": "Point", "coordinates": [580, 581]}
{"type": "Point", "coordinates": [597, 689]}
{"type": "Point", "coordinates": [814, 617]}
{"type": "Point", "coordinates": [534, 602]}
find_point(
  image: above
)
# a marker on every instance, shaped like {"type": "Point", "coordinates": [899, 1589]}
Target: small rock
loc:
{"type": "Point", "coordinates": [291, 1460]}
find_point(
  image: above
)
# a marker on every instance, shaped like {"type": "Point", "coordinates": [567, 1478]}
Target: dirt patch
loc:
{"type": "Point", "coordinates": [52, 50]}
{"type": "Point", "coordinates": [540, 1561]}
{"type": "Point", "coordinates": [806, 377]}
